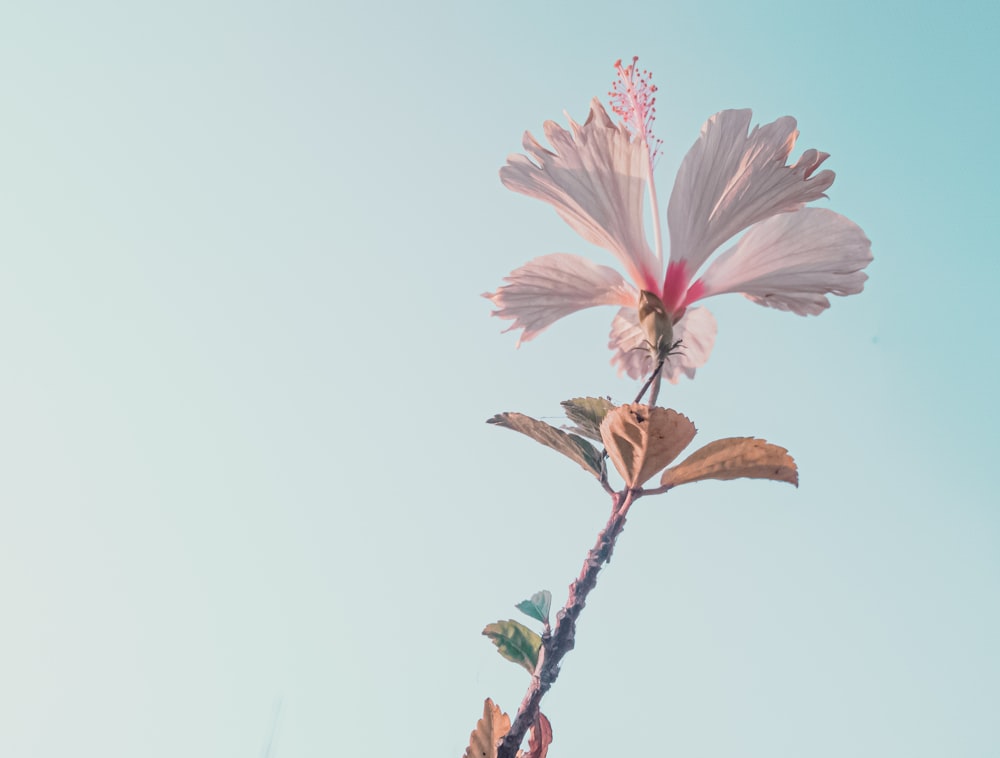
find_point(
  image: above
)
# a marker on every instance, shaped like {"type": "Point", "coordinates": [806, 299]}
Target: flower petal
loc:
{"type": "Point", "coordinates": [542, 291]}
{"type": "Point", "coordinates": [729, 181]}
{"type": "Point", "coordinates": [696, 331]}
{"type": "Point", "coordinates": [596, 180]}
{"type": "Point", "coordinates": [793, 260]}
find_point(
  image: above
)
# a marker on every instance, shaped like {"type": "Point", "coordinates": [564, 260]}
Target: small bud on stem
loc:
{"type": "Point", "coordinates": [658, 326]}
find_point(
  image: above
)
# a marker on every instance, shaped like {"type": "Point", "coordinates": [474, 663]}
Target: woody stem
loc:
{"type": "Point", "coordinates": [563, 637]}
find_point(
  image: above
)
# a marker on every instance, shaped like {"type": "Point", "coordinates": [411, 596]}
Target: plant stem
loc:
{"type": "Point", "coordinates": [563, 637]}
{"type": "Point", "coordinates": [656, 390]}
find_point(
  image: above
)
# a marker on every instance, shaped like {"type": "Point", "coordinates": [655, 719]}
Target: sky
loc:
{"type": "Point", "coordinates": [248, 503]}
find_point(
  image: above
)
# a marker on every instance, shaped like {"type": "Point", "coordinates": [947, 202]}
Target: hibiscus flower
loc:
{"type": "Point", "coordinates": [732, 180]}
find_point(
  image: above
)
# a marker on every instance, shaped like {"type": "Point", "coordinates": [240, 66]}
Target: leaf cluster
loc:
{"type": "Point", "coordinates": [642, 440]}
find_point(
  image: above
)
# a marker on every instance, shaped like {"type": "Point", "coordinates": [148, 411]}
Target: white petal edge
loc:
{"type": "Point", "coordinates": [696, 331]}
{"type": "Point", "coordinates": [730, 179]}
{"type": "Point", "coordinates": [546, 289]}
{"type": "Point", "coordinates": [596, 181]}
{"type": "Point", "coordinates": [793, 261]}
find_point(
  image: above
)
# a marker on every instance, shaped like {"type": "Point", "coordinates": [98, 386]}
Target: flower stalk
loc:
{"type": "Point", "coordinates": [562, 638]}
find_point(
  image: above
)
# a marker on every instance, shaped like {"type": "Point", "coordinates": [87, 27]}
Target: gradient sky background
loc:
{"type": "Point", "coordinates": [245, 476]}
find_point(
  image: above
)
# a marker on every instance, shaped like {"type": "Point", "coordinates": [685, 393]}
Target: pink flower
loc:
{"type": "Point", "coordinates": [732, 180]}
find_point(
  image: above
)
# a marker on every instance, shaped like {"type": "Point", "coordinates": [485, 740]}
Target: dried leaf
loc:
{"type": "Point", "coordinates": [733, 458]}
{"type": "Point", "coordinates": [488, 732]}
{"type": "Point", "coordinates": [540, 739]}
{"type": "Point", "coordinates": [587, 413]}
{"type": "Point", "coordinates": [538, 606]}
{"type": "Point", "coordinates": [515, 642]}
{"type": "Point", "coordinates": [641, 440]}
{"type": "Point", "coordinates": [570, 445]}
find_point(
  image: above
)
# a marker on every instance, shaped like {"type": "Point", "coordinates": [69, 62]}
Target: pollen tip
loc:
{"type": "Point", "coordinates": [633, 99]}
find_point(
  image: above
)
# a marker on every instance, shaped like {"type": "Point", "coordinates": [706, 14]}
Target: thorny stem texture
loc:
{"type": "Point", "coordinates": [563, 637]}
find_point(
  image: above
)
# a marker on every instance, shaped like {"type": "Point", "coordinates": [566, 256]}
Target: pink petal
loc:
{"type": "Point", "coordinates": [696, 330]}
{"type": "Point", "coordinates": [793, 260]}
{"type": "Point", "coordinates": [542, 291]}
{"type": "Point", "coordinates": [596, 180]}
{"type": "Point", "coordinates": [729, 181]}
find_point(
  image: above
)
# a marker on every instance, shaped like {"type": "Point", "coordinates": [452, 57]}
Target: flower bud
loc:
{"type": "Point", "coordinates": [656, 324]}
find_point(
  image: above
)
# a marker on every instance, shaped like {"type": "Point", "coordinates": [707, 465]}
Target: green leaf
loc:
{"type": "Point", "coordinates": [587, 413]}
{"type": "Point", "coordinates": [538, 606]}
{"type": "Point", "coordinates": [573, 447]}
{"type": "Point", "coordinates": [516, 642]}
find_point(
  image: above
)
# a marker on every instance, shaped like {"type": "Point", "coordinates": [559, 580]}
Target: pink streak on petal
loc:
{"type": "Point", "coordinates": [648, 282]}
{"type": "Point", "coordinates": [731, 179]}
{"type": "Point", "coordinates": [695, 292]}
{"type": "Point", "coordinates": [675, 285]}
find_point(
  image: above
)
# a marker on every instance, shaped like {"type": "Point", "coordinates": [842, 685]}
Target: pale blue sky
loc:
{"type": "Point", "coordinates": [247, 368]}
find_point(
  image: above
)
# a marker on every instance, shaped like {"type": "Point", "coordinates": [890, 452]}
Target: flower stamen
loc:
{"type": "Point", "coordinates": [633, 98]}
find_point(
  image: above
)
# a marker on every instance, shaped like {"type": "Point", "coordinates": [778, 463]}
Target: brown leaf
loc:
{"type": "Point", "coordinates": [733, 458]}
{"type": "Point", "coordinates": [641, 440]}
{"type": "Point", "coordinates": [488, 732]}
{"type": "Point", "coordinates": [540, 739]}
{"type": "Point", "coordinates": [574, 447]}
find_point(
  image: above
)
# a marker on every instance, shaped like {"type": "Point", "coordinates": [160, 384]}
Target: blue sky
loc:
{"type": "Point", "coordinates": [247, 367]}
